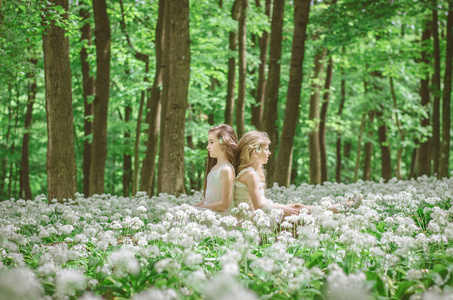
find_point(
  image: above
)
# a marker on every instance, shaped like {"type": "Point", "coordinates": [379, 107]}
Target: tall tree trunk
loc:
{"type": "Point", "coordinates": [4, 165]}
{"type": "Point", "coordinates": [154, 109]}
{"type": "Point", "coordinates": [88, 91]}
{"type": "Point", "coordinates": [323, 120]}
{"type": "Point", "coordinates": [398, 172]}
{"type": "Point", "coordinates": [12, 175]}
{"type": "Point", "coordinates": [270, 112]}
{"type": "Point", "coordinates": [240, 107]}
{"type": "Point", "coordinates": [283, 169]}
{"type": "Point", "coordinates": [101, 100]}
{"type": "Point", "coordinates": [127, 158]}
{"type": "Point", "coordinates": [313, 135]}
{"type": "Point", "coordinates": [25, 189]}
{"type": "Point", "coordinates": [359, 148]}
{"type": "Point", "coordinates": [61, 166]}
{"type": "Point", "coordinates": [340, 111]}
{"type": "Point", "coordinates": [233, 36]}
{"type": "Point", "coordinates": [424, 163]}
{"type": "Point", "coordinates": [177, 55]}
{"type": "Point", "coordinates": [446, 99]}
{"type": "Point", "coordinates": [435, 140]}
{"type": "Point", "coordinates": [257, 110]}
{"type": "Point", "coordinates": [368, 148]}
{"type": "Point", "coordinates": [386, 162]}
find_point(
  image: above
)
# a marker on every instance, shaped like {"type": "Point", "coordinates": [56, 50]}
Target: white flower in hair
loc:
{"type": "Point", "coordinates": [220, 140]}
{"type": "Point", "coordinates": [258, 148]}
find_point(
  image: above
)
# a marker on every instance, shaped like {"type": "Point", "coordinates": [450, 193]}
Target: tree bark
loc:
{"type": "Point", "coordinates": [435, 140]}
{"type": "Point", "coordinates": [88, 91]}
{"type": "Point", "coordinates": [177, 53]}
{"type": "Point", "coordinates": [61, 166]}
{"type": "Point", "coordinates": [25, 189]}
{"type": "Point", "coordinates": [323, 120]}
{"type": "Point", "coordinates": [283, 167]}
{"type": "Point", "coordinates": [101, 100]}
{"type": "Point", "coordinates": [359, 148]}
{"type": "Point", "coordinates": [424, 163]}
{"type": "Point", "coordinates": [127, 158]}
{"type": "Point", "coordinates": [233, 36]}
{"type": "Point", "coordinates": [399, 156]}
{"type": "Point", "coordinates": [340, 111]}
{"type": "Point", "coordinates": [368, 148]}
{"type": "Point", "coordinates": [270, 112]}
{"type": "Point", "coordinates": [313, 135]}
{"type": "Point", "coordinates": [446, 99]}
{"type": "Point", "coordinates": [4, 165]}
{"type": "Point", "coordinates": [257, 110]}
{"type": "Point", "coordinates": [154, 109]}
{"type": "Point", "coordinates": [240, 107]}
{"type": "Point", "coordinates": [386, 162]}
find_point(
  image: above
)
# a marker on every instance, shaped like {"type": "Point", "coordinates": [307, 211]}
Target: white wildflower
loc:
{"type": "Point", "coordinates": [19, 283]}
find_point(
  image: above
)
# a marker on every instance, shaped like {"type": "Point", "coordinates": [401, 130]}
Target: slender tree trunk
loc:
{"type": "Point", "coordinates": [435, 140]}
{"type": "Point", "coordinates": [446, 99]}
{"type": "Point", "coordinates": [233, 36]}
{"type": "Point", "coordinates": [12, 175]}
{"type": "Point", "coordinates": [138, 131]}
{"type": "Point", "coordinates": [359, 148]}
{"type": "Point", "coordinates": [61, 166]}
{"type": "Point", "coordinates": [414, 161]}
{"type": "Point", "coordinates": [25, 189]}
{"type": "Point", "coordinates": [240, 107]}
{"type": "Point", "coordinates": [424, 163]}
{"type": "Point", "coordinates": [400, 131]}
{"type": "Point", "coordinates": [88, 91]}
{"type": "Point", "coordinates": [154, 109]}
{"type": "Point", "coordinates": [177, 52]}
{"type": "Point", "coordinates": [145, 58]}
{"type": "Point", "coordinates": [368, 148]}
{"type": "Point", "coordinates": [323, 120]}
{"type": "Point", "coordinates": [386, 162]}
{"type": "Point", "coordinates": [270, 112]}
{"type": "Point", "coordinates": [313, 135]}
{"type": "Point", "coordinates": [283, 168]}
{"type": "Point", "coordinates": [257, 110]}
{"type": "Point", "coordinates": [340, 111]}
{"type": "Point", "coordinates": [6, 141]}
{"type": "Point", "coordinates": [101, 100]}
{"type": "Point", "coordinates": [127, 158]}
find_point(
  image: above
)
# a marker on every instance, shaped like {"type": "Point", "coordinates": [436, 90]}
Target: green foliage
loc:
{"type": "Point", "coordinates": [362, 36]}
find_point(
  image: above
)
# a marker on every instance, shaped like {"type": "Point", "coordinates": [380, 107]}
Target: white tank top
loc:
{"type": "Point", "coordinates": [214, 186]}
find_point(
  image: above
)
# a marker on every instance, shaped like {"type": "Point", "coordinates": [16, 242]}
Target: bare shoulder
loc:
{"type": "Point", "coordinates": [227, 171]}
{"type": "Point", "coordinates": [249, 177]}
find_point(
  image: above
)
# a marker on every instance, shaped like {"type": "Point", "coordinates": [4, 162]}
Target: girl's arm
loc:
{"type": "Point", "coordinates": [227, 180]}
{"type": "Point", "coordinates": [199, 203]}
{"type": "Point", "coordinates": [252, 181]}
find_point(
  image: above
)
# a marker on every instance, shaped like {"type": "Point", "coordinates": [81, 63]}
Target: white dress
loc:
{"type": "Point", "coordinates": [241, 192]}
{"type": "Point", "coordinates": [214, 187]}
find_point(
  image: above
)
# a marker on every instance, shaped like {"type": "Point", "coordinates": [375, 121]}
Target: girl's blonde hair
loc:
{"type": "Point", "coordinates": [229, 144]}
{"type": "Point", "coordinates": [250, 142]}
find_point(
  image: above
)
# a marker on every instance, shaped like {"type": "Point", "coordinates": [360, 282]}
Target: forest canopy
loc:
{"type": "Point", "coordinates": [118, 96]}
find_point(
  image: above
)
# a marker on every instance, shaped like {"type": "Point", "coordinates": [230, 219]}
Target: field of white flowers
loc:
{"type": "Point", "coordinates": [397, 245]}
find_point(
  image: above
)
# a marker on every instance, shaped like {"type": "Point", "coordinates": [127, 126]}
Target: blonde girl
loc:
{"type": "Point", "coordinates": [250, 184]}
{"type": "Point", "coordinates": [220, 169]}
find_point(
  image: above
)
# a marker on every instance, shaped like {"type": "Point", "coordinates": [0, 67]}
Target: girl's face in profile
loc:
{"type": "Point", "coordinates": [214, 148]}
{"type": "Point", "coordinates": [263, 154]}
